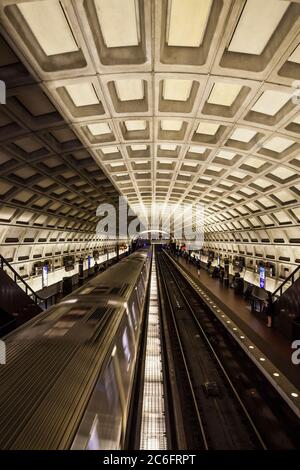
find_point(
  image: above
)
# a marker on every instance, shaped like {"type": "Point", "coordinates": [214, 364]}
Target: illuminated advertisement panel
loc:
{"type": "Point", "coordinates": [262, 277]}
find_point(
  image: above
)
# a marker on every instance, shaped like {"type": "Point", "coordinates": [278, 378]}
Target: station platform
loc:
{"type": "Point", "coordinates": [270, 341]}
{"type": "Point", "coordinates": [54, 293]}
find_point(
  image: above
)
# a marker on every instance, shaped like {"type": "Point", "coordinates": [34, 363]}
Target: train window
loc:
{"type": "Point", "coordinates": [126, 348]}
{"type": "Point", "coordinates": [124, 357]}
{"type": "Point", "coordinates": [134, 317]}
{"type": "Point", "coordinates": [141, 287]}
{"type": "Point", "coordinates": [94, 443]}
{"type": "Point", "coordinates": [100, 428]}
{"type": "Point", "coordinates": [129, 319]}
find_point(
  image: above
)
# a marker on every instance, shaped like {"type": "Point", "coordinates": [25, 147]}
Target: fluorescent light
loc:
{"type": "Point", "coordinates": [82, 94]}
{"type": "Point", "coordinates": [48, 23]}
{"type": "Point", "coordinates": [270, 102]}
{"type": "Point", "coordinates": [257, 23]}
{"type": "Point", "coordinates": [187, 22]}
{"type": "Point", "coordinates": [119, 22]}
{"type": "Point", "coordinates": [131, 89]}
{"type": "Point", "coordinates": [224, 94]}
{"type": "Point", "coordinates": [135, 125]}
{"type": "Point", "coordinates": [278, 144]}
{"type": "Point", "coordinates": [208, 128]}
{"type": "Point", "coordinates": [177, 90]}
{"type": "Point", "coordinates": [243, 135]}
{"type": "Point", "coordinates": [171, 125]}
{"type": "Point", "coordinates": [99, 129]}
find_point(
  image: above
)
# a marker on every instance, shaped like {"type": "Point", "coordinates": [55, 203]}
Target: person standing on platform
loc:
{"type": "Point", "coordinates": [269, 310]}
{"type": "Point", "coordinates": [222, 272]}
{"type": "Point", "coordinates": [198, 266]}
{"type": "Point", "coordinates": [80, 271]}
{"type": "Point", "coordinates": [208, 265]}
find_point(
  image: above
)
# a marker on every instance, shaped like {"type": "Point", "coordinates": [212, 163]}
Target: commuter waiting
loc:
{"type": "Point", "coordinates": [236, 275]}
{"type": "Point", "coordinates": [208, 265]}
{"type": "Point", "coordinates": [269, 310]}
{"type": "Point", "coordinates": [222, 272]}
{"type": "Point", "coordinates": [198, 266]}
{"type": "Point", "coordinates": [216, 272]}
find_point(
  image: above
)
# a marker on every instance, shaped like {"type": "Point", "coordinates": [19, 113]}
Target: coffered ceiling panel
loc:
{"type": "Point", "coordinates": [158, 100]}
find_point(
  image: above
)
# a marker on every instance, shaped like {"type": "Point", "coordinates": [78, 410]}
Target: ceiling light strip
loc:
{"type": "Point", "coordinates": [153, 427]}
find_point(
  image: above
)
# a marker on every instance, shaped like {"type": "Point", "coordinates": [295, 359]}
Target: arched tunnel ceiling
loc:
{"type": "Point", "coordinates": [166, 101]}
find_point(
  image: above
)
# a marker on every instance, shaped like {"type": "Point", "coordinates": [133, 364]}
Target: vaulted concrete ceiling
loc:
{"type": "Point", "coordinates": [175, 101]}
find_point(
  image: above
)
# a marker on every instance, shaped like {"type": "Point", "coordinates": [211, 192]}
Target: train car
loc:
{"type": "Point", "coordinates": [68, 377]}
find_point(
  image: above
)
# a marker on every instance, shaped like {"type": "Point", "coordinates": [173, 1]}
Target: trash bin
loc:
{"type": "Point", "coordinates": [67, 285]}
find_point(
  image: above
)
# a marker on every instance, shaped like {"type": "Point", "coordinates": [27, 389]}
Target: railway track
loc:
{"type": "Point", "coordinates": [214, 394]}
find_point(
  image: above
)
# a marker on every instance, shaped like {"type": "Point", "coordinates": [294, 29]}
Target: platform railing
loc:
{"type": "Point", "coordinates": [288, 282]}
{"type": "Point", "coordinates": [16, 277]}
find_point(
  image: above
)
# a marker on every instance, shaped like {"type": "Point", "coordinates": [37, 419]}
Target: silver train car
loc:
{"type": "Point", "coordinates": [68, 377]}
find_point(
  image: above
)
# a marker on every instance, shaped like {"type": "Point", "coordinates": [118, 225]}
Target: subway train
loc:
{"type": "Point", "coordinates": [69, 373]}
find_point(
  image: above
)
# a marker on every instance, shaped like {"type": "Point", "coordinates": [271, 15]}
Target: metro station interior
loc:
{"type": "Point", "coordinates": [149, 225]}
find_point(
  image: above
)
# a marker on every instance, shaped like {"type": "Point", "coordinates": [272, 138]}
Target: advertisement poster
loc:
{"type": "Point", "coordinates": [45, 276]}
{"type": "Point", "coordinates": [262, 277]}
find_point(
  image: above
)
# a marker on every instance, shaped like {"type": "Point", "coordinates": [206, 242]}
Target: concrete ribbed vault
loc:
{"type": "Point", "coordinates": [160, 101]}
